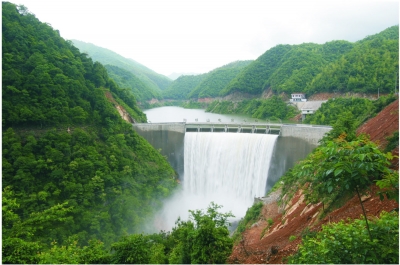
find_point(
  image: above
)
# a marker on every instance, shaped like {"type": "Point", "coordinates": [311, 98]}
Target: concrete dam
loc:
{"type": "Point", "coordinates": [229, 164]}
{"type": "Point", "coordinates": [294, 142]}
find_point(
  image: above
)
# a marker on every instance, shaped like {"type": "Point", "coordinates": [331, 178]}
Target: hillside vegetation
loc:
{"type": "Point", "coordinates": [73, 170]}
{"type": "Point", "coordinates": [126, 79]}
{"type": "Point", "coordinates": [150, 79]}
{"type": "Point", "coordinates": [334, 66]}
{"type": "Point", "coordinates": [183, 86]}
{"type": "Point", "coordinates": [368, 66]}
{"type": "Point", "coordinates": [79, 186]}
{"type": "Point", "coordinates": [214, 81]}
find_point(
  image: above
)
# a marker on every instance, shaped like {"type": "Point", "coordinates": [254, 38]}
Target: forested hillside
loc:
{"type": "Point", "coordinates": [181, 87]}
{"type": "Point", "coordinates": [366, 66]}
{"type": "Point", "coordinates": [372, 64]}
{"type": "Point", "coordinates": [126, 79]}
{"type": "Point", "coordinates": [73, 169]}
{"type": "Point", "coordinates": [272, 109]}
{"type": "Point", "coordinates": [336, 66]}
{"type": "Point", "coordinates": [206, 85]}
{"type": "Point", "coordinates": [150, 78]}
{"type": "Point", "coordinates": [357, 110]}
{"type": "Point", "coordinates": [216, 80]}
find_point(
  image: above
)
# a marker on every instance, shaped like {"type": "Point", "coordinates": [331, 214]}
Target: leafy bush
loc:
{"type": "Point", "coordinates": [344, 243]}
{"type": "Point", "coordinates": [393, 142]}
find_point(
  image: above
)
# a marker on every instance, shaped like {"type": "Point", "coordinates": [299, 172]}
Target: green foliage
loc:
{"type": "Point", "coordinates": [134, 249]}
{"type": "Point", "coordinates": [73, 170]}
{"type": "Point", "coordinates": [370, 65]}
{"type": "Point", "coordinates": [348, 113]}
{"type": "Point", "coordinates": [348, 243]}
{"type": "Point", "coordinates": [48, 82]}
{"type": "Point", "coordinates": [214, 81]}
{"type": "Point", "coordinates": [128, 80]}
{"type": "Point", "coordinates": [393, 142]}
{"type": "Point", "coordinates": [252, 78]}
{"type": "Point", "coordinates": [389, 186]}
{"type": "Point", "coordinates": [332, 110]}
{"type": "Point", "coordinates": [182, 87]}
{"type": "Point", "coordinates": [335, 168]}
{"type": "Point", "coordinates": [72, 253]}
{"type": "Point", "coordinates": [336, 66]}
{"type": "Point", "coordinates": [252, 215]}
{"type": "Point", "coordinates": [151, 80]}
{"type": "Point", "coordinates": [20, 244]}
{"type": "Point", "coordinates": [339, 166]}
{"type": "Point", "coordinates": [273, 108]}
{"type": "Point", "coordinates": [202, 239]}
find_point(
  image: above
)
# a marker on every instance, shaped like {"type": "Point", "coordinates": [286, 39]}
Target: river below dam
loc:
{"type": "Point", "coordinates": [229, 169]}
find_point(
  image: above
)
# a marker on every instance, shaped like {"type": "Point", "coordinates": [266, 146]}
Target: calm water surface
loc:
{"type": "Point", "coordinates": [178, 114]}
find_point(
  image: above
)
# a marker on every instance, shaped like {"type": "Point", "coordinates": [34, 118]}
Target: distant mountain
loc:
{"type": "Point", "coordinates": [217, 79]}
{"type": "Point", "coordinates": [334, 66]}
{"type": "Point", "coordinates": [181, 87]}
{"type": "Point", "coordinates": [205, 85]}
{"type": "Point", "coordinates": [370, 65]}
{"type": "Point", "coordinates": [174, 76]}
{"type": "Point", "coordinates": [126, 79]}
{"type": "Point", "coordinates": [152, 79]}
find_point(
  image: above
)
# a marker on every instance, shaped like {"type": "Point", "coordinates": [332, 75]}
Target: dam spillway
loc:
{"type": "Point", "coordinates": [294, 143]}
{"type": "Point", "coordinates": [207, 163]}
{"type": "Point", "coordinates": [229, 165]}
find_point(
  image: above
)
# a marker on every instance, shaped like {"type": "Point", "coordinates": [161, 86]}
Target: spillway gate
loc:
{"type": "Point", "coordinates": [234, 128]}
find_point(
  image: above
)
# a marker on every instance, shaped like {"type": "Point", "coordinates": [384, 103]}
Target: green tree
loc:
{"type": "Point", "coordinates": [132, 249]}
{"type": "Point", "coordinates": [340, 166]}
{"type": "Point", "coordinates": [348, 243]}
{"type": "Point", "coordinates": [203, 239]}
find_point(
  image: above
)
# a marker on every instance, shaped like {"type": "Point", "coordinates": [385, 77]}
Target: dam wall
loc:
{"type": "Point", "coordinates": [294, 143]}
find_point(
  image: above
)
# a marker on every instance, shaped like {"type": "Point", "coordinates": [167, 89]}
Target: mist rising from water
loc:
{"type": "Point", "coordinates": [229, 169]}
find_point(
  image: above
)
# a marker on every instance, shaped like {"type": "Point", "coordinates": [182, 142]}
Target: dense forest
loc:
{"type": "Point", "coordinates": [348, 67]}
{"type": "Point", "coordinates": [73, 169]}
{"type": "Point", "coordinates": [214, 81]}
{"type": "Point", "coordinates": [126, 79]}
{"type": "Point", "coordinates": [78, 184]}
{"type": "Point", "coordinates": [206, 85]}
{"type": "Point", "coordinates": [182, 86]}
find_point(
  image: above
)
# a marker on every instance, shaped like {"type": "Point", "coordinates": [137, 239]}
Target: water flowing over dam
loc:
{"type": "Point", "coordinates": [224, 167]}
{"type": "Point", "coordinates": [229, 165]}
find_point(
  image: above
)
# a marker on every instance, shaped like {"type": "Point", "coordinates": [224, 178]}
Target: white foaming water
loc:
{"type": "Point", "coordinates": [229, 169]}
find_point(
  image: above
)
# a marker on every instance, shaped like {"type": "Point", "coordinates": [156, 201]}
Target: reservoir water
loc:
{"type": "Point", "coordinates": [178, 114]}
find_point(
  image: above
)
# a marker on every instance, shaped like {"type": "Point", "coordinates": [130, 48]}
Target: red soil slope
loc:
{"type": "Point", "coordinates": [382, 126]}
{"type": "Point", "coordinates": [264, 243]}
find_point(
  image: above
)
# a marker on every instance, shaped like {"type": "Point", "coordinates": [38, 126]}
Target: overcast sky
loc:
{"type": "Point", "coordinates": [200, 35]}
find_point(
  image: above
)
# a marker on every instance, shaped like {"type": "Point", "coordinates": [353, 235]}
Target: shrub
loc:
{"type": "Point", "coordinates": [342, 243]}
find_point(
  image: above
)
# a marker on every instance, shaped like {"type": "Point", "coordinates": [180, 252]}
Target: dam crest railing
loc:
{"type": "Point", "coordinates": [234, 128]}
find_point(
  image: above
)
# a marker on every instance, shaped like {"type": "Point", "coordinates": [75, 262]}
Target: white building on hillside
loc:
{"type": "Point", "coordinates": [298, 97]}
